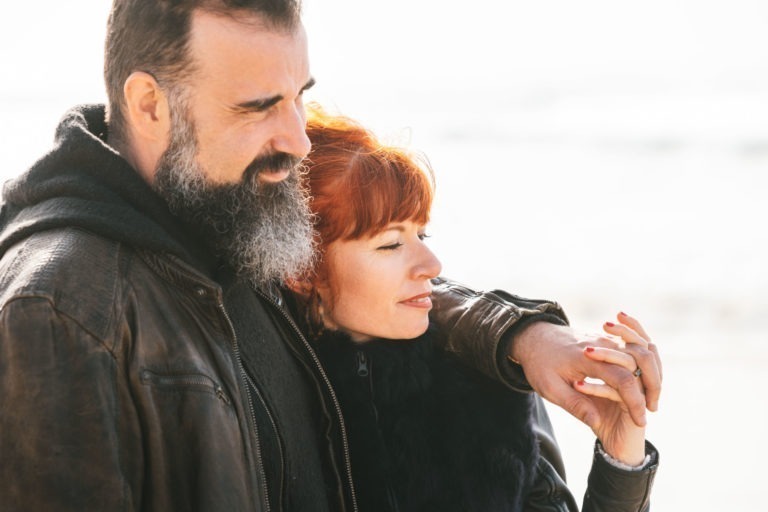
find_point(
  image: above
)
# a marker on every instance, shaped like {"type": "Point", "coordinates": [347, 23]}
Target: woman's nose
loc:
{"type": "Point", "coordinates": [428, 266]}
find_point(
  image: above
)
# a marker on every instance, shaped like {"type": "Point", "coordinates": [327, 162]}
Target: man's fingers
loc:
{"type": "Point", "coordinates": [580, 406]}
{"type": "Point", "coordinates": [625, 383]}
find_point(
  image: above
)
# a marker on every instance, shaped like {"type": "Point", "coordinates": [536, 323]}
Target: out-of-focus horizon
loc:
{"type": "Point", "coordinates": [610, 155]}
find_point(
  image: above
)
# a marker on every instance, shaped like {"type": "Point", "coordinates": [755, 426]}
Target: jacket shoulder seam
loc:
{"type": "Point", "coordinates": [43, 298]}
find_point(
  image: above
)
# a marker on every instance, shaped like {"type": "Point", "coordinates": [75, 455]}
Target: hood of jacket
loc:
{"type": "Point", "coordinates": [82, 182]}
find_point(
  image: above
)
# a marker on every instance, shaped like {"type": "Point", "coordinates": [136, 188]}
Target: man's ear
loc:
{"type": "Point", "coordinates": [147, 109]}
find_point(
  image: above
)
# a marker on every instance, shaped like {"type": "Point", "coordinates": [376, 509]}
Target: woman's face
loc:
{"type": "Point", "coordinates": [380, 286]}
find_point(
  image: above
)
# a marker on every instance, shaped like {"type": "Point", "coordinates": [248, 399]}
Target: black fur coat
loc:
{"type": "Point", "coordinates": [427, 433]}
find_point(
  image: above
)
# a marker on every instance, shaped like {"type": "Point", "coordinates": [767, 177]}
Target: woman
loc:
{"type": "Point", "coordinates": [427, 433]}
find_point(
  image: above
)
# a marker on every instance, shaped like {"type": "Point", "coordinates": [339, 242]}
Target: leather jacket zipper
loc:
{"type": "Point", "coordinates": [244, 377]}
{"type": "Point", "coordinates": [198, 380]}
{"type": "Point", "coordinates": [327, 382]}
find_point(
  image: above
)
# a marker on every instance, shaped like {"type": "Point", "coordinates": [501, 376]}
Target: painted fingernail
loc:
{"type": "Point", "coordinates": [621, 313]}
{"type": "Point", "coordinates": [580, 383]}
{"type": "Point", "coordinates": [590, 349]}
{"type": "Point", "coordinates": [609, 324]}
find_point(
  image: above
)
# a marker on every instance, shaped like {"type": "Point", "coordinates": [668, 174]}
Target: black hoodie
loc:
{"type": "Point", "coordinates": [82, 182]}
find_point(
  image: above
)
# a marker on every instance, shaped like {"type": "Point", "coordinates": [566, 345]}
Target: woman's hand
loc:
{"type": "Point", "coordinates": [622, 439]}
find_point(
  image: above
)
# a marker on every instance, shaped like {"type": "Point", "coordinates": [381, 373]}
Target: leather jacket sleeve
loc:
{"type": "Point", "coordinates": [59, 414]}
{"type": "Point", "coordinates": [609, 489]}
{"type": "Point", "coordinates": [612, 489]}
{"type": "Point", "coordinates": [478, 326]}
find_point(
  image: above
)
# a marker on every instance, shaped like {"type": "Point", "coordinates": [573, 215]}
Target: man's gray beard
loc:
{"type": "Point", "coordinates": [264, 231]}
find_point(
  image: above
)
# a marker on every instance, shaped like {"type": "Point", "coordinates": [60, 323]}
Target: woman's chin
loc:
{"type": "Point", "coordinates": [412, 331]}
{"type": "Point", "coordinates": [400, 331]}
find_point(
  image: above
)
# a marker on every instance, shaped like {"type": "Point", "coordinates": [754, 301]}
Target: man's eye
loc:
{"type": "Point", "coordinates": [390, 247]}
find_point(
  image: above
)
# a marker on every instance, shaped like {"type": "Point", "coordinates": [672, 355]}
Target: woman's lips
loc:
{"type": "Point", "coordinates": [418, 301]}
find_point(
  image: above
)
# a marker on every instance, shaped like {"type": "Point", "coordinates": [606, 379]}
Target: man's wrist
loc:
{"type": "Point", "coordinates": [509, 367]}
{"type": "Point", "coordinates": [518, 338]}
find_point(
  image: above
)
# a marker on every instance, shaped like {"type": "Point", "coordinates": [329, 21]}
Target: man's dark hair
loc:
{"type": "Point", "coordinates": [153, 36]}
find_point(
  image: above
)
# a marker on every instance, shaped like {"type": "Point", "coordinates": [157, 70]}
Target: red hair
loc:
{"type": "Point", "coordinates": [358, 185]}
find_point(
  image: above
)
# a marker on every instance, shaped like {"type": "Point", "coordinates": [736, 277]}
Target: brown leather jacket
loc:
{"type": "Point", "coordinates": [120, 383]}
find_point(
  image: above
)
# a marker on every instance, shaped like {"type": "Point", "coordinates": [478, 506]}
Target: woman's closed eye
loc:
{"type": "Point", "coordinates": [396, 245]}
{"type": "Point", "coordinates": [390, 247]}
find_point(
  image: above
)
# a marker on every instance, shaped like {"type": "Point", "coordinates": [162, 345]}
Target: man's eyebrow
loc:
{"type": "Point", "coordinates": [259, 105]}
{"type": "Point", "coordinates": [262, 104]}
{"type": "Point", "coordinates": [310, 83]}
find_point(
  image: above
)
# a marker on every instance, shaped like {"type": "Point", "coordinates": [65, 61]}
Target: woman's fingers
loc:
{"type": "Point", "coordinates": [626, 333]}
{"type": "Point", "coordinates": [633, 324]}
{"type": "Point", "coordinates": [646, 355]}
{"type": "Point", "coordinates": [652, 369]}
{"type": "Point", "coordinates": [599, 391]}
{"type": "Point", "coordinates": [655, 350]}
{"type": "Point", "coordinates": [632, 358]}
{"type": "Point", "coordinates": [648, 362]}
{"type": "Point", "coordinates": [612, 356]}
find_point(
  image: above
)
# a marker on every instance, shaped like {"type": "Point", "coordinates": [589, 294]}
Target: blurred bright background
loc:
{"type": "Point", "coordinates": [609, 155]}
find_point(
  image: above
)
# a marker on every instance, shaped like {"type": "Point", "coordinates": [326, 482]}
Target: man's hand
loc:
{"type": "Point", "coordinates": [552, 357]}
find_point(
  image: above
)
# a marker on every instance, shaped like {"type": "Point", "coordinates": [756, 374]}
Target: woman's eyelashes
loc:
{"type": "Point", "coordinates": [396, 245]}
{"type": "Point", "coordinates": [390, 247]}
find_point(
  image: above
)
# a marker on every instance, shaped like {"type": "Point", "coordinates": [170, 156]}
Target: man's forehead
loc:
{"type": "Point", "coordinates": [222, 48]}
{"type": "Point", "coordinates": [206, 23]}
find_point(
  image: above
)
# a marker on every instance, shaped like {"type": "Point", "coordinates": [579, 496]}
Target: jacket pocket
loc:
{"type": "Point", "coordinates": [187, 381]}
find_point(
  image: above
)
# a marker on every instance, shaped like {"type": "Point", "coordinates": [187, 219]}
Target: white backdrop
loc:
{"type": "Point", "coordinates": [610, 155]}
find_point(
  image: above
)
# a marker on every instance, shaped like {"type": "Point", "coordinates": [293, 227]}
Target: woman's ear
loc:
{"type": "Point", "coordinates": [302, 287]}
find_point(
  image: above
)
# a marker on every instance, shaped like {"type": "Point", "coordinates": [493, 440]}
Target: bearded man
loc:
{"type": "Point", "coordinates": [146, 360]}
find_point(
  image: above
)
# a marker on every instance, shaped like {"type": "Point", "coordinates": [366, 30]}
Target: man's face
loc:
{"type": "Point", "coordinates": [237, 137]}
{"type": "Point", "coordinates": [246, 94]}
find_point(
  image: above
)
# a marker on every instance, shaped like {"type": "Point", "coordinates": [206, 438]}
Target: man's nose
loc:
{"type": "Point", "coordinates": [292, 135]}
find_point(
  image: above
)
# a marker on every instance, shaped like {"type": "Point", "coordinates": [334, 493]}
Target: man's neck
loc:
{"type": "Point", "coordinates": [135, 158]}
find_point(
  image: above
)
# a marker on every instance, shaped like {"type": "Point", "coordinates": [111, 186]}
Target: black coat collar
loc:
{"type": "Point", "coordinates": [426, 432]}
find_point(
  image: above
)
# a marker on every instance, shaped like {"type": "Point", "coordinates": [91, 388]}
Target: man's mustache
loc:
{"type": "Point", "coordinates": [273, 162]}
